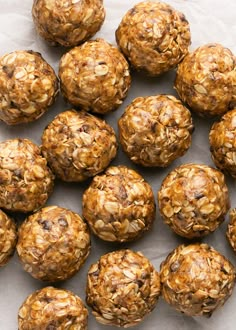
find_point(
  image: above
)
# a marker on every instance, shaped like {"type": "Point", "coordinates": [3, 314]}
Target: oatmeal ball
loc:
{"type": "Point", "coordinates": [155, 130]}
{"type": "Point", "coordinates": [53, 244]}
{"type": "Point", "coordinates": [28, 87]}
{"type": "Point", "coordinates": [78, 145]}
{"type": "Point", "coordinates": [196, 279]}
{"type": "Point", "coordinates": [51, 308]}
{"type": "Point", "coordinates": [26, 182]}
{"type": "Point", "coordinates": [193, 200]}
{"type": "Point", "coordinates": [94, 76]}
{"type": "Point", "coordinates": [231, 230]}
{"type": "Point", "coordinates": [119, 205]}
{"type": "Point", "coordinates": [206, 80]}
{"type": "Point", "coordinates": [8, 238]}
{"type": "Point", "coordinates": [67, 23]}
{"type": "Point", "coordinates": [223, 143]}
{"type": "Point", "coordinates": [154, 37]}
{"type": "Point", "coordinates": [122, 288]}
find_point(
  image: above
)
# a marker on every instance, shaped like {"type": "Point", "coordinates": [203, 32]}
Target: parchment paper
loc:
{"type": "Point", "coordinates": [211, 21]}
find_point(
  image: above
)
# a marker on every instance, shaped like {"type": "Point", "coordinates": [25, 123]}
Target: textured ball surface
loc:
{"type": "Point", "coordinates": [8, 238]}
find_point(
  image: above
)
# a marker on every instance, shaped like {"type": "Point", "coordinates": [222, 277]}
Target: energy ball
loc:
{"type": "Point", "coordinates": [53, 244]}
{"type": "Point", "coordinates": [78, 145]}
{"type": "Point", "coordinates": [196, 279]}
{"type": "Point", "coordinates": [67, 23]}
{"type": "Point", "coordinates": [8, 238]}
{"type": "Point", "coordinates": [94, 76]}
{"type": "Point", "coordinates": [155, 130]}
{"type": "Point", "coordinates": [193, 200]}
{"type": "Point", "coordinates": [28, 87]}
{"type": "Point", "coordinates": [26, 182]}
{"type": "Point", "coordinates": [51, 308]}
{"type": "Point", "coordinates": [206, 80]}
{"type": "Point", "coordinates": [231, 230]}
{"type": "Point", "coordinates": [154, 37]}
{"type": "Point", "coordinates": [119, 205]}
{"type": "Point", "coordinates": [122, 288]}
{"type": "Point", "coordinates": [223, 143]}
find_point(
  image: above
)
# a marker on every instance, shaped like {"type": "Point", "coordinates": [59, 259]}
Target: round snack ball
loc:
{"type": "Point", "coordinates": [122, 288]}
{"type": "Point", "coordinates": [26, 181]}
{"type": "Point", "coordinates": [155, 130]}
{"type": "Point", "coordinates": [231, 230]}
{"type": "Point", "coordinates": [119, 205]}
{"type": "Point", "coordinates": [28, 87]}
{"type": "Point", "coordinates": [154, 37]}
{"type": "Point", "coordinates": [193, 200]}
{"type": "Point", "coordinates": [206, 80]}
{"type": "Point", "coordinates": [51, 308]}
{"type": "Point", "coordinates": [223, 143]}
{"type": "Point", "coordinates": [8, 238]}
{"type": "Point", "coordinates": [78, 145]}
{"type": "Point", "coordinates": [196, 279]}
{"type": "Point", "coordinates": [53, 244]}
{"type": "Point", "coordinates": [94, 76]}
{"type": "Point", "coordinates": [68, 23]}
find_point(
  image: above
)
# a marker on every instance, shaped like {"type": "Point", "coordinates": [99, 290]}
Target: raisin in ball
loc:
{"type": "Point", "coordinates": [8, 238]}
{"type": "Point", "coordinates": [196, 279]}
{"type": "Point", "coordinates": [193, 200]}
{"type": "Point", "coordinates": [122, 288]}
{"type": "Point", "coordinates": [28, 87]}
{"type": "Point", "coordinates": [53, 244]}
{"type": "Point", "coordinates": [119, 205]}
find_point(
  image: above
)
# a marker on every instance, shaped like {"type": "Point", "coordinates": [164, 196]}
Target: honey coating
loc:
{"type": "Point", "coordinates": [67, 23]}
{"type": "Point", "coordinates": [53, 244]}
{"type": "Point", "coordinates": [26, 180]}
{"type": "Point", "coordinates": [196, 279]}
{"type": "Point", "coordinates": [154, 37]}
{"type": "Point", "coordinates": [78, 145]}
{"type": "Point", "coordinates": [51, 308]}
{"type": "Point", "coordinates": [8, 238]}
{"type": "Point", "coordinates": [28, 87]}
{"type": "Point", "coordinates": [206, 80]}
{"type": "Point", "coordinates": [122, 288]}
{"type": "Point", "coordinates": [119, 205]}
{"type": "Point", "coordinates": [193, 200]}
{"type": "Point", "coordinates": [155, 130]}
{"type": "Point", "coordinates": [95, 76]}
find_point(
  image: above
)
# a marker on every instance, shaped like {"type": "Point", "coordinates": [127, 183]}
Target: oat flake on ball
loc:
{"type": "Point", "coordinates": [78, 145]}
{"type": "Point", "coordinates": [196, 279]}
{"type": "Point", "coordinates": [119, 205]}
{"type": "Point", "coordinates": [155, 130]}
{"type": "Point", "coordinates": [193, 200]}
{"type": "Point", "coordinates": [95, 76]}
{"type": "Point", "coordinates": [122, 288]}
{"type": "Point", "coordinates": [28, 87]}
{"type": "Point", "coordinates": [26, 181]}
{"type": "Point", "coordinates": [8, 238]}
{"type": "Point", "coordinates": [206, 80]}
{"type": "Point", "coordinates": [67, 22]}
{"type": "Point", "coordinates": [154, 37]}
{"type": "Point", "coordinates": [53, 244]}
{"type": "Point", "coordinates": [52, 309]}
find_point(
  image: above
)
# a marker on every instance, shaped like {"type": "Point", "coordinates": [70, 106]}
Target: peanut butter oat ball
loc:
{"type": "Point", "coordinates": [119, 205]}
{"type": "Point", "coordinates": [223, 143]}
{"type": "Point", "coordinates": [193, 200]}
{"type": "Point", "coordinates": [154, 37]}
{"type": "Point", "coordinates": [196, 279]}
{"type": "Point", "coordinates": [51, 309]}
{"type": "Point", "coordinates": [94, 76]}
{"type": "Point", "coordinates": [8, 238]}
{"type": "Point", "coordinates": [28, 87]}
{"type": "Point", "coordinates": [78, 145]}
{"type": "Point", "coordinates": [67, 23]}
{"type": "Point", "coordinates": [53, 244]}
{"type": "Point", "coordinates": [122, 288]}
{"type": "Point", "coordinates": [155, 130]}
{"type": "Point", "coordinates": [26, 182]}
{"type": "Point", "coordinates": [231, 230]}
{"type": "Point", "coordinates": [206, 80]}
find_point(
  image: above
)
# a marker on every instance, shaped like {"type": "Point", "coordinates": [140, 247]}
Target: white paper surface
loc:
{"type": "Point", "coordinates": [210, 21]}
